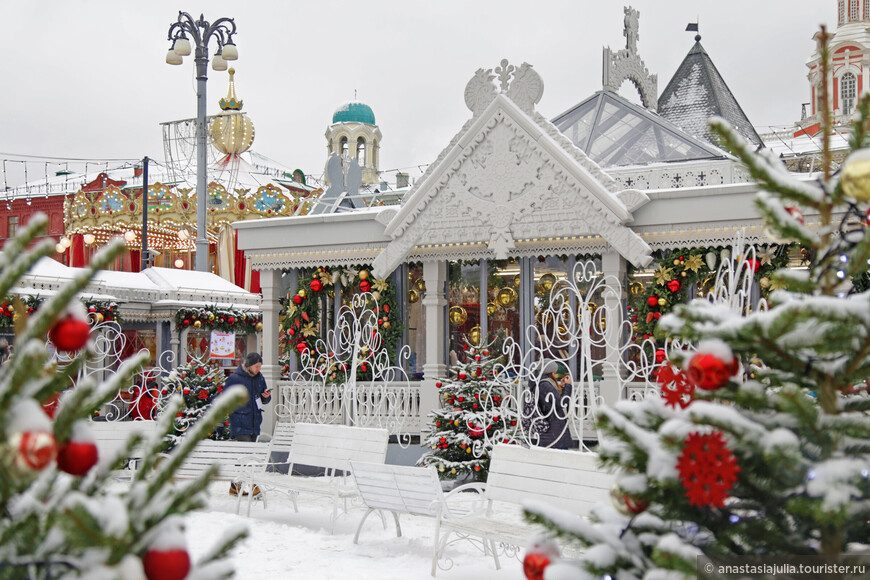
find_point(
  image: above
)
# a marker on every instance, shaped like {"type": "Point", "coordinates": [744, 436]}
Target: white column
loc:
{"type": "Point", "coordinates": [435, 304]}
{"type": "Point", "coordinates": [613, 268]}
{"type": "Point", "coordinates": [270, 282]}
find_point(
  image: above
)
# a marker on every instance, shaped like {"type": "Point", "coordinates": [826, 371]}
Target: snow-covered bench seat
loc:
{"type": "Point", "coordinates": [570, 481]}
{"type": "Point", "coordinates": [329, 448]}
{"type": "Point", "coordinates": [112, 438]}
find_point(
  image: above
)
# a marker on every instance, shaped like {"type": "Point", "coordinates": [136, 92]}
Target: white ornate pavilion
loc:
{"type": "Point", "coordinates": [514, 197]}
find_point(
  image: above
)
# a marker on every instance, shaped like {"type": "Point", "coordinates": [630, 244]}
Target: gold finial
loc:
{"type": "Point", "coordinates": [231, 102]}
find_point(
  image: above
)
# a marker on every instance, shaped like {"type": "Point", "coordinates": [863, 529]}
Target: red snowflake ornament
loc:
{"type": "Point", "coordinates": [707, 469]}
{"type": "Point", "coordinates": [676, 388]}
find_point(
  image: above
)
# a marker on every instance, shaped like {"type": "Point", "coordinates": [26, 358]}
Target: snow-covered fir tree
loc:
{"type": "Point", "coordinates": [198, 384]}
{"type": "Point", "coordinates": [471, 419]}
{"type": "Point", "coordinates": [61, 515]}
{"type": "Point", "coordinates": [761, 445]}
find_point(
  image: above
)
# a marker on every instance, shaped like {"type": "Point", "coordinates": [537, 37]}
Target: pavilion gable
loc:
{"type": "Point", "coordinates": [507, 177]}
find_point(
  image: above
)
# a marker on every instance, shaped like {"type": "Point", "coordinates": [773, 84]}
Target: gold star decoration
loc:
{"type": "Point", "coordinates": [694, 263]}
{"type": "Point", "coordinates": [326, 278]}
{"type": "Point", "coordinates": [291, 310]}
{"type": "Point", "coordinates": [663, 275]}
{"type": "Point", "coordinates": [765, 256]}
{"type": "Point", "coordinates": [380, 285]}
{"type": "Point", "coordinates": [308, 330]}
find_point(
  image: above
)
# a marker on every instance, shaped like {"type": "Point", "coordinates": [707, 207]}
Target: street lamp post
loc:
{"type": "Point", "coordinates": [201, 32]}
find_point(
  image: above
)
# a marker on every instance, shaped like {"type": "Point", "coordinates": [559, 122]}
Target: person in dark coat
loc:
{"type": "Point", "coordinates": [552, 401]}
{"type": "Point", "coordinates": [246, 420]}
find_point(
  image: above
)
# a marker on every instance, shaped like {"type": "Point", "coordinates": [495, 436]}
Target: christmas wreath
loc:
{"type": "Point", "coordinates": [301, 327]}
{"type": "Point", "coordinates": [214, 318]}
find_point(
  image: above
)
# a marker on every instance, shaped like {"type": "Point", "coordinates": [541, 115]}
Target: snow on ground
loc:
{"type": "Point", "coordinates": [284, 544]}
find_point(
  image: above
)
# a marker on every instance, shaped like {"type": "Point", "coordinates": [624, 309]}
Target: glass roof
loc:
{"type": "Point", "coordinates": [615, 132]}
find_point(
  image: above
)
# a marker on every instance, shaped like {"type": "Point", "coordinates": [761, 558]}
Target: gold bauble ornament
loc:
{"type": "Point", "coordinates": [99, 317]}
{"type": "Point", "coordinates": [301, 292]}
{"type": "Point", "coordinates": [506, 297]}
{"type": "Point", "coordinates": [517, 281]}
{"type": "Point", "coordinates": [764, 282]}
{"type": "Point", "coordinates": [259, 327]}
{"type": "Point", "coordinates": [197, 324]}
{"type": "Point", "coordinates": [491, 309]}
{"type": "Point", "coordinates": [468, 449]}
{"type": "Point", "coordinates": [474, 336]}
{"type": "Point", "coordinates": [420, 285]}
{"type": "Point", "coordinates": [855, 175]}
{"type": "Point", "coordinates": [363, 274]}
{"type": "Point", "coordinates": [457, 315]}
{"type": "Point", "coordinates": [440, 468]}
{"type": "Point", "coordinates": [453, 471]}
{"type": "Point", "coordinates": [376, 295]}
{"type": "Point", "coordinates": [662, 302]}
{"type": "Point", "coordinates": [211, 317]}
{"type": "Point", "coordinates": [413, 296]}
{"type": "Point", "coordinates": [624, 503]}
{"type": "Point", "coordinates": [386, 324]}
{"type": "Point", "coordinates": [547, 281]}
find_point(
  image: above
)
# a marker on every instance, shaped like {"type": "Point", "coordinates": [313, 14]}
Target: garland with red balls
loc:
{"type": "Point", "coordinates": [677, 270]}
{"type": "Point", "coordinates": [223, 319]}
{"type": "Point", "coordinates": [300, 328]}
{"type": "Point", "coordinates": [98, 310]}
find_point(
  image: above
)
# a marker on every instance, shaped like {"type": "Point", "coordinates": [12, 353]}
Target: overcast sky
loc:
{"type": "Point", "coordinates": [87, 78]}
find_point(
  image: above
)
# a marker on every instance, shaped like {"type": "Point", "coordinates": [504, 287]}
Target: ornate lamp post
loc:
{"type": "Point", "coordinates": [201, 32]}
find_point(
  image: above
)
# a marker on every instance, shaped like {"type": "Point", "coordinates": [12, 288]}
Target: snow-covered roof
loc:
{"type": "Point", "coordinates": [697, 92]}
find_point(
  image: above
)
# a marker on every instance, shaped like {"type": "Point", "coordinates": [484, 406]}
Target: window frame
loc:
{"type": "Point", "coordinates": [850, 99]}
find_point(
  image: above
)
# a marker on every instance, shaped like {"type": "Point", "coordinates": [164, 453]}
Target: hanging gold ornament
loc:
{"type": "Point", "coordinates": [301, 292]}
{"type": "Point", "coordinates": [211, 317]}
{"type": "Point", "coordinates": [457, 315]}
{"type": "Point", "coordinates": [547, 281]}
{"type": "Point", "coordinates": [506, 296]}
{"type": "Point", "coordinates": [764, 282]}
{"type": "Point", "coordinates": [517, 281]}
{"type": "Point", "coordinates": [363, 274]}
{"type": "Point", "coordinates": [855, 175]}
{"type": "Point", "coordinates": [474, 336]}
{"type": "Point", "coordinates": [413, 296]}
{"type": "Point", "coordinates": [491, 309]}
{"type": "Point", "coordinates": [420, 285]}
{"type": "Point", "coordinates": [197, 324]}
{"type": "Point", "coordinates": [662, 302]}
{"type": "Point", "coordinates": [635, 288]}
{"type": "Point", "coordinates": [99, 317]}
{"type": "Point", "coordinates": [376, 295]}
{"type": "Point", "coordinates": [259, 327]}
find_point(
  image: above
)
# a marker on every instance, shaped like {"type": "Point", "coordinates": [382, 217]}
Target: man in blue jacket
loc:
{"type": "Point", "coordinates": [246, 420]}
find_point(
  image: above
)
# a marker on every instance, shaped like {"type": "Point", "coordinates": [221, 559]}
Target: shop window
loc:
{"type": "Point", "coordinates": [847, 93]}
{"type": "Point", "coordinates": [12, 226]}
{"type": "Point", "coordinates": [416, 320]}
{"type": "Point", "coordinates": [463, 315]}
{"type": "Point", "coordinates": [503, 302]}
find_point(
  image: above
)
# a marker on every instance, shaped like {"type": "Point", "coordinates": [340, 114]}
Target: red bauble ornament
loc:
{"type": "Point", "coordinates": [660, 355]}
{"type": "Point", "coordinates": [534, 566]}
{"type": "Point", "coordinates": [754, 264]}
{"type": "Point", "coordinates": [316, 285]}
{"type": "Point", "coordinates": [301, 347]}
{"type": "Point", "coordinates": [70, 333]}
{"type": "Point", "coordinates": [652, 301]}
{"type": "Point", "coordinates": [231, 320]}
{"type": "Point", "coordinates": [462, 376]}
{"type": "Point", "coordinates": [34, 450]}
{"type": "Point", "coordinates": [625, 503]}
{"type": "Point", "coordinates": [485, 352]}
{"type": "Point", "coordinates": [674, 286]}
{"type": "Point", "coordinates": [363, 367]}
{"type": "Point", "coordinates": [477, 371]}
{"type": "Point", "coordinates": [166, 564]}
{"type": "Point", "coordinates": [474, 431]}
{"type": "Point", "coordinates": [438, 385]}
{"type": "Point", "coordinates": [707, 469]}
{"type": "Point", "coordinates": [365, 286]}
{"type": "Point", "coordinates": [297, 299]}
{"type": "Point", "coordinates": [186, 391]}
{"type": "Point", "coordinates": [387, 308]}
{"type": "Point", "coordinates": [796, 214]}
{"type": "Point", "coordinates": [708, 372]}
{"type": "Point", "coordinates": [676, 388]}
{"type": "Point", "coordinates": [77, 457]}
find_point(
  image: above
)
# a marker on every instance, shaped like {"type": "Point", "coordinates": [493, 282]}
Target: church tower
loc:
{"type": "Point", "coordinates": [354, 135]}
{"type": "Point", "coordinates": [848, 77]}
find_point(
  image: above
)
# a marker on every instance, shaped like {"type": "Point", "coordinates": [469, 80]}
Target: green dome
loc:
{"type": "Point", "coordinates": [354, 113]}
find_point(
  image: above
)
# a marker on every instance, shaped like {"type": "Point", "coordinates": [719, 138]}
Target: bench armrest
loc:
{"type": "Point", "coordinates": [466, 500]}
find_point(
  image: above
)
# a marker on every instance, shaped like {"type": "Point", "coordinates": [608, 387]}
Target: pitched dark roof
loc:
{"type": "Point", "coordinates": [697, 92]}
{"type": "Point", "coordinates": [615, 132]}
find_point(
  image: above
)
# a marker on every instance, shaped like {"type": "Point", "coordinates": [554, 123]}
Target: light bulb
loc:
{"type": "Point", "coordinates": [65, 242]}
{"type": "Point", "coordinates": [89, 239]}
{"type": "Point", "coordinates": [179, 263]}
{"type": "Point", "coordinates": [129, 235]}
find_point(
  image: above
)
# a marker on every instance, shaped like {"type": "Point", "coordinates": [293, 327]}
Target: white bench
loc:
{"type": "Point", "coordinates": [112, 438]}
{"type": "Point", "coordinates": [397, 489]}
{"type": "Point", "coordinates": [570, 481]}
{"type": "Point", "coordinates": [330, 448]}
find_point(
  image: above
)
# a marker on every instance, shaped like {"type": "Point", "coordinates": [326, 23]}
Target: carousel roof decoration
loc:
{"type": "Point", "coordinates": [238, 190]}
{"type": "Point", "coordinates": [697, 92]}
